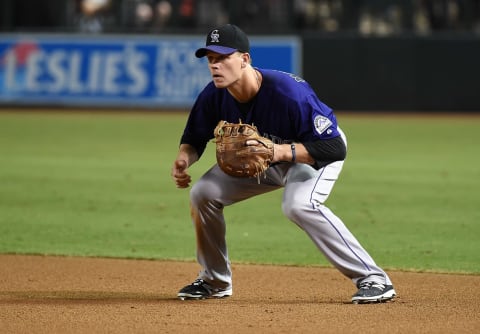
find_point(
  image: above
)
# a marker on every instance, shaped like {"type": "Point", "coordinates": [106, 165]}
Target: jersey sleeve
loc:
{"type": "Point", "coordinates": [323, 120]}
{"type": "Point", "coordinates": [200, 124]}
{"type": "Point", "coordinates": [313, 120]}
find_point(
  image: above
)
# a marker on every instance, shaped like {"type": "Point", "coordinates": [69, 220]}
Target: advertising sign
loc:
{"type": "Point", "coordinates": [119, 71]}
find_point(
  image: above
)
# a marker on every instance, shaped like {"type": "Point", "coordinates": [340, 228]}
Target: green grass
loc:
{"type": "Point", "coordinates": [98, 184]}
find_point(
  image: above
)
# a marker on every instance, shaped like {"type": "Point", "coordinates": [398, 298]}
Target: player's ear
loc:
{"type": "Point", "coordinates": [245, 59]}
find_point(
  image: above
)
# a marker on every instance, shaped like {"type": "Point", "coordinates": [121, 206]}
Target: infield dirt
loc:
{"type": "Point", "coordinates": [41, 294]}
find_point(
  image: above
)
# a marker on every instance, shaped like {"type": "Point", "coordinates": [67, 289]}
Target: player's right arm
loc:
{"type": "Point", "coordinates": [187, 156]}
{"type": "Point", "coordinates": [198, 131]}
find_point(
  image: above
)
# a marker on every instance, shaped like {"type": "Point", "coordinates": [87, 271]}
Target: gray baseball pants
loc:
{"type": "Point", "coordinates": [305, 193]}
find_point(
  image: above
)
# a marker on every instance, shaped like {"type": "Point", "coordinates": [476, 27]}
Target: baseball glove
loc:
{"type": "Point", "coordinates": [235, 157]}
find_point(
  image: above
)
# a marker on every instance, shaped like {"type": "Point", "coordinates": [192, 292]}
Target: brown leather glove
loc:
{"type": "Point", "coordinates": [235, 157]}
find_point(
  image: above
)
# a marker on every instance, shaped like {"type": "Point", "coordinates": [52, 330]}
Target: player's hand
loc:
{"type": "Point", "coordinates": [277, 149]}
{"type": "Point", "coordinates": [180, 174]}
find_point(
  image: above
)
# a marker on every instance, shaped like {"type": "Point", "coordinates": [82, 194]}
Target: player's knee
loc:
{"type": "Point", "coordinates": [202, 193]}
{"type": "Point", "coordinates": [197, 194]}
{"type": "Point", "coordinates": [293, 209]}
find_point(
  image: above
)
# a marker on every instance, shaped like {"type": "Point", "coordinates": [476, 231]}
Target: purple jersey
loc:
{"type": "Point", "coordinates": [285, 109]}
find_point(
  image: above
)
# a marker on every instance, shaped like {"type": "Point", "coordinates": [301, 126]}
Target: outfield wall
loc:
{"type": "Point", "coordinates": [403, 73]}
{"type": "Point", "coordinates": [136, 71]}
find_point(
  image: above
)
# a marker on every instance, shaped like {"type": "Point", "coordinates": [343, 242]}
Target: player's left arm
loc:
{"type": "Point", "coordinates": [317, 153]}
{"type": "Point", "coordinates": [295, 152]}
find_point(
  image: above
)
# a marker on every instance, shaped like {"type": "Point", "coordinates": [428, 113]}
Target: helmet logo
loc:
{"type": "Point", "coordinates": [215, 36]}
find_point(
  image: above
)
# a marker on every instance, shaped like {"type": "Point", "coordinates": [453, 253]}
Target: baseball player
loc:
{"type": "Point", "coordinates": [309, 152]}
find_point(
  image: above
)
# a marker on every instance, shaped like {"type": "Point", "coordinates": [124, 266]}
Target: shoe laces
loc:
{"type": "Point", "coordinates": [204, 285]}
{"type": "Point", "coordinates": [198, 282]}
{"type": "Point", "coordinates": [369, 285]}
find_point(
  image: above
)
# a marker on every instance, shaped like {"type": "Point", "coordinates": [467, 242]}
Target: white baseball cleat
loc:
{"type": "Point", "coordinates": [200, 289]}
{"type": "Point", "coordinates": [372, 292]}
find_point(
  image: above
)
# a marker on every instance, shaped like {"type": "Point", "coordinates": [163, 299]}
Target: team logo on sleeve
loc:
{"type": "Point", "coordinates": [321, 124]}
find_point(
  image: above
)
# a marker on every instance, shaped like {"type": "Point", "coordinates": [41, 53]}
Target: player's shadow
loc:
{"type": "Point", "coordinates": [64, 297]}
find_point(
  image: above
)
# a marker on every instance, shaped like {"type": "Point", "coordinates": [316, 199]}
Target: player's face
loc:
{"type": "Point", "coordinates": [225, 69]}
